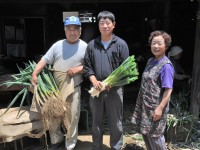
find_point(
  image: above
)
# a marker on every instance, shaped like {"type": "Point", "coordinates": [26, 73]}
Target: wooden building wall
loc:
{"type": "Point", "coordinates": [195, 95]}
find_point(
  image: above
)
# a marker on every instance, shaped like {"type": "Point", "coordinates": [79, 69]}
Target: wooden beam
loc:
{"type": "Point", "coordinates": [195, 93]}
{"type": "Point", "coordinates": [75, 1]}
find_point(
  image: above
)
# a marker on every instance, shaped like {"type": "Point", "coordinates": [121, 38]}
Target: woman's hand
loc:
{"type": "Point", "coordinates": [159, 109]}
{"type": "Point", "coordinates": [157, 114]}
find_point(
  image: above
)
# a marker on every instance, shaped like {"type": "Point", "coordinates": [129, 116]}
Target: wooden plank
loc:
{"type": "Point", "coordinates": [195, 93]}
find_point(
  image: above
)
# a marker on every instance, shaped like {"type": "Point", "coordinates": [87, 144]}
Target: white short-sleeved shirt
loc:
{"type": "Point", "coordinates": [64, 56]}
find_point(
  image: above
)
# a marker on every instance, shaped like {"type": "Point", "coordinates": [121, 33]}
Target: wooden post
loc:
{"type": "Point", "coordinates": [195, 91]}
{"type": "Point", "coordinates": [166, 21]}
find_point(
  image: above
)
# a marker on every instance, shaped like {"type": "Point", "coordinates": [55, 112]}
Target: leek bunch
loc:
{"type": "Point", "coordinates": [22, 78]}
{"type": "Point", "coordinates": [46, 94]}
{"type": "Point", "coordinates": [126, 73]}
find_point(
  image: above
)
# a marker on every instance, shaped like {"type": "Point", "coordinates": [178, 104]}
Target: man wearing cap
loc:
{"type": "Point", "coordinates": [66, 55]}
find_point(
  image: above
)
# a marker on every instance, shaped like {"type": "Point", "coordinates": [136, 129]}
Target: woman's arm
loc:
{"type": "Point", "coordinates": [165, 99]}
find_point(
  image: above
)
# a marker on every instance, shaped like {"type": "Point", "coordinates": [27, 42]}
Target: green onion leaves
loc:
{"type": "Point", "coordinates": [125, 74]}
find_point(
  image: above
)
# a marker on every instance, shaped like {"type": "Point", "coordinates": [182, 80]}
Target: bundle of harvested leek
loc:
{"type": "Point", "coordinates": [126, 73]}
{"type": "Point", "coordinates": [46, 94]}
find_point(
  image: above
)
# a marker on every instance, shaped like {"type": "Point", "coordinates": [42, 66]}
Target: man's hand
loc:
{"type": "Point", "coordinates": [38, 68]}
{"type": "Point", "coordinates": [108, 87]}
{"type": "Point", "coordinates": [73, 71]}
{"type": "Point", "coordinates": [34, 79]}
{"type": "Point", "coordinates": [97, 85]}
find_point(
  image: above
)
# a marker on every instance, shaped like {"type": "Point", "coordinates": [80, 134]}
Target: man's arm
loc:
{"type": "Point", "coordinates": [124, 52]}
{"type": "Point", "coordinates": [87, 67]}
{"type": "Point", "coordinates": [38, 68]}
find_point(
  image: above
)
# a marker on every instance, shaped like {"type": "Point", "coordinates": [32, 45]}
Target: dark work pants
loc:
{"type": "Point", "coordinates": [112, 103]}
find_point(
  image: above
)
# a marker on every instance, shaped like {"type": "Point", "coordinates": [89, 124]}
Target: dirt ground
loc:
{"type": "Point", "coordinates": [84, 143]}
{"type": "Point", "coordinates": [132, 140]}
{"type": "Point", "coordinates": [84, 138]}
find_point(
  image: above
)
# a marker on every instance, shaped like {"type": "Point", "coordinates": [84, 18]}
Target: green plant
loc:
{"type": "Point", "coordinates": [46, 93]}
{"type": "Point", "coordinates": [179, 115]}
{"type": "Point", "coordinates": [126, 73]}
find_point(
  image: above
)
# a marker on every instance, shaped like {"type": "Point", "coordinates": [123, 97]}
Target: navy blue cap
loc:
{"type": "Point", "coordinates": [72, 21]}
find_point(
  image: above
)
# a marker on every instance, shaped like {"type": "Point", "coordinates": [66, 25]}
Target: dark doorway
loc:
{"type": "Point", "coordinates": [35, 37]}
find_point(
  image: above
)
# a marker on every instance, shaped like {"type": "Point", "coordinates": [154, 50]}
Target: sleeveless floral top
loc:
{"type": "Point", "coordinates": [149, 97]}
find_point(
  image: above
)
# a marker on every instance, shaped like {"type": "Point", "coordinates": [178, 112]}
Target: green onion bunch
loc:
{"type": "Point", "coordinates": [22, 78]}
{"type": "Point", "coordinates": [125, 74]}
{"type": "Point", "coordinates": [45, 94]}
